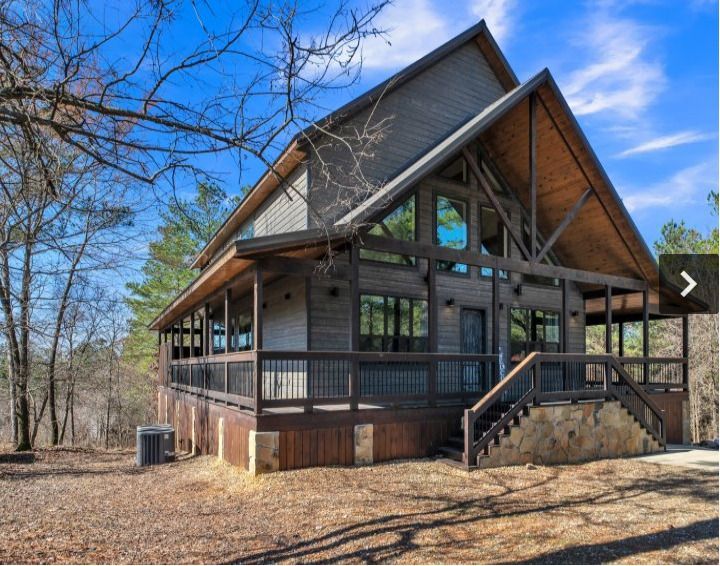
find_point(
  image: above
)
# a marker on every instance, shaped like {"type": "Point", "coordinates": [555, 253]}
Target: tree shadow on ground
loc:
{"type": "Point", "coordinates": [392, 536]}
{"type": "Point", "coordinates": [602, 553]}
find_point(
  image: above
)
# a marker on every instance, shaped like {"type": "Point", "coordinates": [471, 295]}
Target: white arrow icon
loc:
{"type": "Point", "coordinates": [691, 284]}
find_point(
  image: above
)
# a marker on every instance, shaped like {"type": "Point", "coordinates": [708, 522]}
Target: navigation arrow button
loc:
{"type": "Point", "coordinates": [691, 283]}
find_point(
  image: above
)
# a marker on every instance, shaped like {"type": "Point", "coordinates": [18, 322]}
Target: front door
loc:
{"type": "Point", "coordinates": [475, 375]}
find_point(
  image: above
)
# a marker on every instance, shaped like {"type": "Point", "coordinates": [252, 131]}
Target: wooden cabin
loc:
{"type": "Point", "coordinates": [426, 292]}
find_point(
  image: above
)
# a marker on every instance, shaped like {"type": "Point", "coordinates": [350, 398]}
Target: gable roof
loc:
{"type": "Point", "coordinates": [295, 152]}
{"type": "Point", "coordinates": [605, 215]}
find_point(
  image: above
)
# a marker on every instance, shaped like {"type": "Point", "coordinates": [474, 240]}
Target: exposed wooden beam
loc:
{"type": "Point", "coordinates": [471, 257]}
{"type": "Point", "coordinates": [475, 168]}
{"type": "Point", "coordinates": [207, 330]}
{"type": "Point", "coordinates": [228, 297]}
{"type": "Point", "coordinates": [608, 319]}
{"type": "Point", "coordinates": [569, 217]}
{"type": "Point", "coordinates": [532, 154]}
{"type": "Point", "coordinates": [621, 338]}
{"type": "Point", "coordinates": [257, 323]}
{"type": "Point", "coordinates": [304, 267]}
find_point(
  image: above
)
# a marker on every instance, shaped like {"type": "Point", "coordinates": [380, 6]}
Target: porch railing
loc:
{"type": "Point", "coordinates": [272, 379]}
{"type": "Point", "coordinates": [657, 373]}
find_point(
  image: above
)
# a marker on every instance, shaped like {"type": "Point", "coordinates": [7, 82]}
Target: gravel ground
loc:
{"type": "Point", "coordinates": [85, 506]}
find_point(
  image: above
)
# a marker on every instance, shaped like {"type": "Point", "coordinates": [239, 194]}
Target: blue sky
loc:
{"type": "Point", "coordinates": [641, 77]}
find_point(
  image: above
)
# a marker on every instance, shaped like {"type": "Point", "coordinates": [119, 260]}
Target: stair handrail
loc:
{"type": "Point", "coordinates": [644, 396]}
{"type": "Point", "coordinates": [472, 448]}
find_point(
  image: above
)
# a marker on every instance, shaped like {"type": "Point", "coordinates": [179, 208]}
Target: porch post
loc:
{"type": "Point", "coordinates": [227, 319]}
{"type": "Point", "coordinates": [496, 323]}
{"type": "Point", "coordinates": [564, 319]}
{"type": "Point", "coordinates": [172, 341]}
{"type": "Point", "coordinates": [181, 324]}
{"type": "Point", "coordinates": [621, 339]}
{"type": "Point", "coordinates": [257, 328]}
{"type": "Point", "coordinates": [432, 329]}
{"type": "Point", "coordinates": [207, 330]}
{"type": "Point", "coordinates": [353, 386]}
{"type": "Point", "coordinates": [608, 319]}
{"type": "Point", "coordinates": [646, 332]}
{"type": "Point", "coordinates": [685, 348]}
{"type": "Point", "coordinates": [192, 334]}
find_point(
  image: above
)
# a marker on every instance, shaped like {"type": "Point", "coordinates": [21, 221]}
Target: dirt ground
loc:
{"type": "Point", "coordinates": [80, 506]}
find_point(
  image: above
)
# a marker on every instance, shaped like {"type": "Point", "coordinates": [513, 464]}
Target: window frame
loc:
{"type": "Point", "coordinates": [382, 215]}
{"type": "Point", "coordinates": [387, 338]}
{"type": "Point", "coordinates": [506, 235]}
{"type": "Point", "coordinates": [468, 227]}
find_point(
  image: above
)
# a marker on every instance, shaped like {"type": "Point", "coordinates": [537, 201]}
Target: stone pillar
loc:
{"type": "Point", "coordinates": [221, 438]}
{"type": "Point", "coordinates": [363, 444]}
{"type": "Point", "coordinates": [264, 448]}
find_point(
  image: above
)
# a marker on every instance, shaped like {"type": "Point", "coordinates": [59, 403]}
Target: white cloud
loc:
{"type": "Point", "coordinates": [414, 28]}
{"type": "Point", "coordinates": [687, 186]}
{"type": "Point", "coordinates": [664, 142]}
{"type": "Point", "coordinates": [498, 15]}
{"type": "Point", "coordinates": [618, 72]}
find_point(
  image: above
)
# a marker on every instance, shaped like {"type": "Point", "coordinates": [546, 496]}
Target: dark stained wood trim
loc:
{"type": "Point", "coordinates": [228, 297]}
{"type": "Point", "coordinates": [532, 156]}
{"type": "Point", "coordinates": [564, 316]}
{"type": "Point", "coordinates": [569, 217]}
{"type": "Point", "coordinates": [304, 267]}
{"type": "Point", "coordinates": [495, 312]}
{"type": "Point", "coordinates": [258, 299]}
{"type": "Point", "coordinates": [608, 319]}
{"type": "Point", "coordinates": [472, 162]}
{"type": "Point", "coordinates": [685, 346]}
{"type": "Point", "coordinates": [354, 325]}
{"type": "Point", "coordinates": [471, 257]}
{"type": "Point", "coordinates": [621, 338]}
{"type": "Point", "coordinates": [207, 329]}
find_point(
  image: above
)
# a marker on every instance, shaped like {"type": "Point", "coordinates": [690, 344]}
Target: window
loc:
{"type": "Point", "coordinates": [247, 231]}
{"type": "Point", "coordinates": [533, 330]}
{"type": "Point", "coordinates": [537, 279]}
{"type": "Point", "coordinates": [393, 324]}
{"type": "Point", "coordinates": [218, 332]}
{"type": "Point", "coordinates": [455, 171]}
{"type": "Point", "coordinates": [493, 239]}
{"type": "Point", "coordinates": [399, 224]}
{"type": "Point", "coordinates": [243, 337]}
{"type": "Point", "coordinates": [451, 230]}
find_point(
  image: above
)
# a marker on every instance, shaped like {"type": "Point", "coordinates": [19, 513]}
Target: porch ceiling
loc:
{"type": "Point", "coordinates": [602, 237]}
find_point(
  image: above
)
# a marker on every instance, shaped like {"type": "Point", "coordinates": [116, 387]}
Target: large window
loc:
{"type": "Point", "coordinates": [537, 279]}
{"type": "Point", "coordinates": [451, 230]}
{"type": "Point", "coordinates": [399, 224]}
{"type": "Point", "coordinates": [242, 339]}
{"type": "Point", "coordinates": [493, 239]}
{"type": "Point", "coordinates": [393, 324]}
{"type": "Point", "coordinates": [455, 171]}
{"type": "Point", "coordinates": [533, 330]}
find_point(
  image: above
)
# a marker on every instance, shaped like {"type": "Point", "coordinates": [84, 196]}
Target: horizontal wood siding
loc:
{"type": "Point", "coordinates": [413, 118]}
{"type": "Point", "coordinates": [285, 210]}
{"type": "Point", "coordinates": [329, 316]}
{"type": "Point", "coordinates": [285, 320]}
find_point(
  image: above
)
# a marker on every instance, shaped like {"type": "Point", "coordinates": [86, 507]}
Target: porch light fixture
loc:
{"type": "Point", "coordinates": [334, 292]}
{"type": "Point", "coordinates": [518, 289]}
{"type": "Point", "coordinates": [450, 302]}
{"type": "Point", "coordinates": [287, 296]}
{"type": "Point", "coordinates": [574, 313]}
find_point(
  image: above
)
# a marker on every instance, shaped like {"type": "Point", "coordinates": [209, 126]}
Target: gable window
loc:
{"type": "Point", "coordinates": [493, 239]}
{"type": "Point", "coordinates": [451, 230]}
{"type": "Point", "coordinates": [393, 324]}
{"type": "Point", "coordinates": [455, 171]}
{"type": "Point", "coordinates": [400, 225]}
{"type": "Point", "coordinates": [537, 279]}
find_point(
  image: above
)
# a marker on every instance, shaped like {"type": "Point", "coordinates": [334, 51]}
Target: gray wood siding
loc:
{"type": "Point", "coordinates": [413, 119]}
{"type": "Point", "coordinates": [285, 320]}
{"type": "Point", "coordinates": [285, 210]}
{"type": "Point", "coordinates": [330, 315]}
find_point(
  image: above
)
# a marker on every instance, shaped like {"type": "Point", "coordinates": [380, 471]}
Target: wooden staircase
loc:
{"type": "Point", "coordinates": [593, 378]}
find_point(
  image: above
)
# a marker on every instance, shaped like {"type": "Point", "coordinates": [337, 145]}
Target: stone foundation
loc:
{"type": "Point", "coordinates": [363, 444]}
{"type": "Point", "coordinates": [564, 434]}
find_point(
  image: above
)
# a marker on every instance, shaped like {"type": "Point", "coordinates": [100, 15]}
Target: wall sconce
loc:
{"type": "Point", "coordinates": [334, 292]}
{"type": "Point", "coordinates": [574, 313]}
{"type": "Point", "coordinates": [518, 289]}
{"type": "Point", "coordinates": [450, 302]}
{"type": "Point", "coordinates": [501, 306]}
{"type": "Point", "coordinates": [264, 305]}
{"type": "Point", "coordinates": [287, 296]}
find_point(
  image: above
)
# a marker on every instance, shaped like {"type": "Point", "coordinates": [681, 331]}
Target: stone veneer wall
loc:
{"type": "Point", "coordinates": [563, 434]}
